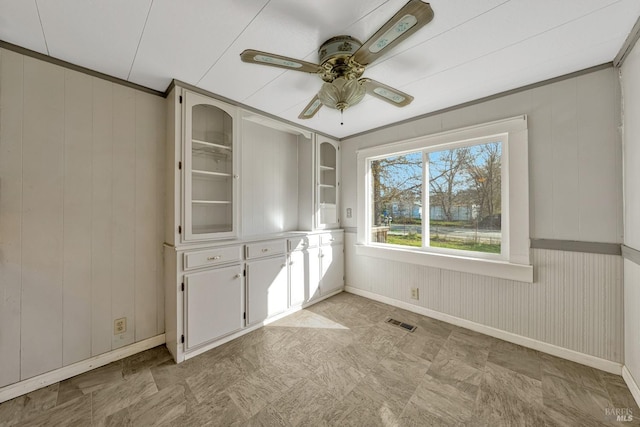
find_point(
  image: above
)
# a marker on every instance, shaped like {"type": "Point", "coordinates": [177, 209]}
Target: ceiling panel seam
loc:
{"type": "Point", "coordinates": [144, 27]}
{"type": "Point", "coordinates": [233, 41]}
{"type": "Point", "coordinates": [44, 37]}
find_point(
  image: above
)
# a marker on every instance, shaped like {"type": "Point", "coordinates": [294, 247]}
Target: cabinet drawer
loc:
{"type": "Point", "coordinates": [298, 243]}
{"type": "Point", "coordinates": [313, 240]}
{"type": "Point", "coordinates": [212, 257]}
{"type": "Point", "coordinates": [265, 249]}
{"type": "Point", "coordinates": [331, 238]}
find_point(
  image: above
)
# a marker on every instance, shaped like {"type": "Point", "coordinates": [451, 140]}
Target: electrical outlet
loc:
{"type": "Point", "coordinates": [120, 326]}
{"type": "Point", "coordinates": [415, 294]}
{"type": "Point", "coordinates": [349, 213]}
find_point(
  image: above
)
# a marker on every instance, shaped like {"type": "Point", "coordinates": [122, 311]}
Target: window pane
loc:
{"type": "Point", "coordinates": [465, 198]}
{"type": "Point", "coordinates": [397, 200]}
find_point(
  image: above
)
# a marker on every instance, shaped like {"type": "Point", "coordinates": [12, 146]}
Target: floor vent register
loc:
{"type": "Point", "coordinates": [400, 324]}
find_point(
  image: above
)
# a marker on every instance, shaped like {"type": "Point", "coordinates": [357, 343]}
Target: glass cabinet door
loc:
{"type": "Point", "coordinates": [327, 193]}
{"type": "Point", "coordinates": [210, 179]}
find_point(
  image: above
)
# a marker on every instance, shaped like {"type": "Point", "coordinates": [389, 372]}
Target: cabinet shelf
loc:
{"type": "Point", "coordinates": [211, 202]}
{"type": "Point", "coordinates": [326, 186]}
{"type": "Point", "coordinates": [207, 173]}
{"type": "Point", "coordinates": [211, 144]}
{"type": "Point", "coordinates": [327, 168]}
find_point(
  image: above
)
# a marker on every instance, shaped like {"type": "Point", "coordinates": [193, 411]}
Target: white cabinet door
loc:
{"type": "Point", "coordinates": [266, 288]}
{"type": "Point", "coordinates": [214, 305]}
{"type": "Point", "coordinates": [210, 175]}
{"type": "Point", "coordinates": [297, 277]}
{"type": "Point", "coordinates": [327, 183]}
{"type": "Point", "coordinates": [332, 268]}
{"type": "Point", "coordinates": [313, 273]}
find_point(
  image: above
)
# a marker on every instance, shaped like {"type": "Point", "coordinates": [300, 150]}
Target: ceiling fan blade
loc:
{"type": "Point", "coordinates": [311, 109]}
{"type": "Point", "coordinates": [387, 93]}
{"type": "Point", "coordinates": [413, 16]}
{"type": "Point", "coordinates": [273, 60]}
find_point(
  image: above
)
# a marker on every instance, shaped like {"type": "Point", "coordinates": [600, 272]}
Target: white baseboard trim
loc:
{"type": "Point", "coordinates": [23, 387]}
{"type": "Point", "coordinates": [632, 384]}
{"type": "Point", "coordinates": [565, 353]}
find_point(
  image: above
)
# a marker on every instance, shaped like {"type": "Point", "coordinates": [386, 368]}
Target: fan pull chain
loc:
{"type": "Point", "coordinates": [341, 117]}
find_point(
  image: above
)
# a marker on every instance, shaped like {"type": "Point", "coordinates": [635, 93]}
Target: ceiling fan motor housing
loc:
{"type": "Point", "coordinates": [335, 55]}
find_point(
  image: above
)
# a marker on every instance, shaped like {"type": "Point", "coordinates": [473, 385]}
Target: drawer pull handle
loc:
{"type": "Point", "coordinates": [332, 240]}
{"type": "Point", "coordinates": [265, 250]}
{"type": "Point", "coordinates": [213, 258]}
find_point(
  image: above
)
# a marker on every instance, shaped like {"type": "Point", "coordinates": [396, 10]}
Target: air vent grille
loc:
{"type": "Point", "coordinates": [400, 324]}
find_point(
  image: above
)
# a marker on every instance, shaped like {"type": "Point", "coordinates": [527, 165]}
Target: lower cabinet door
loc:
{"type": "Point", "coordinates": [313, 274]}
{"type": "Point", "coordinates": [297, 279]}
{"type": "Point", "coordinates": [266, 288]}
{"type": "Point", "coordinates": [332, 268]}
{"type": "Point", "coordinates": [214, 304]}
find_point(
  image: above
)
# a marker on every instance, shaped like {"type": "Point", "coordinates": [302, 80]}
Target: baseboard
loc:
{"type": "Point", "coordinates": [632, 384]}
{"type": "Point", "coordinates": [565, 353]}
{"type": "Point", "coordinates": [23, 387]}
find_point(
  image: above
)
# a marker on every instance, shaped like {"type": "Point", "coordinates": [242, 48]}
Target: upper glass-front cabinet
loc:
{"type": "Point", "coordinates": [328, 186]}
{"type": "Point", "coordinates": [210, 169]}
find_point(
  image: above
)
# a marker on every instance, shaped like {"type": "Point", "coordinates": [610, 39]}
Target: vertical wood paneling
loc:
{"type": "Point", "coordinates": [76, 327]}
{"type": "Point", "coordinates": [574, 302]}
{"type": "Point", "coordinates": [102, 200]}
{"type": "Point", "coordinates": [68, 230]}
{"type": "Point", "coordinates": [123, 213]}
{"type": "Point", "coordinates": [11, 104]}
{"type": "Point", "coordinates": [161, 175]}
{"type": "Point", "coordinates": [42, 218]}
{"type": "Point", "coordinates": [632, 318]}
{"type": "Point", "coordinates": [564, 160]}
{"type": "Point", "coordinates": [269, 184]}
{"type": "Point", "coordinates": [147, 142]}
{"type": "Point", "coordinates": [599, 146]}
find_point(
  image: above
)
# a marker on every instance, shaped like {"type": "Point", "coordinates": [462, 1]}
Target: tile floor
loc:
{"type": "Point", "coordinates": [336, 363]}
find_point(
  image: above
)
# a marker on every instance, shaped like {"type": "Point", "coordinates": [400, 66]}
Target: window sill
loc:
{"type": "Point", "coordinates": [484, 267]}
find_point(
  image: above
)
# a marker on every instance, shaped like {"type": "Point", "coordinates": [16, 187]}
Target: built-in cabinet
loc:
{"type": "Point", "coordinates": [267, 281]}
{"type": "Point", "coordinates": [327, 183]}
{"type": "Point", "coordinates": [220, 283]}
{"type": "Point", "coordinates": [210, 177]}
{"type": "Point", "coordinates": [213, 304]}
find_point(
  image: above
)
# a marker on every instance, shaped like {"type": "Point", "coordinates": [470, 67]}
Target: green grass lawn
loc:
{"type": "Point", "coordinates": [416, 240]}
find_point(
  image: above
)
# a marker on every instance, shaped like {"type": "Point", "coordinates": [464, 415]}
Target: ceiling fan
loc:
{"type": "Point", "coordinates": [343, 60]}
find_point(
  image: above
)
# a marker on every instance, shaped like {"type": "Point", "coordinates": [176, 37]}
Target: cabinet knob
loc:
{"type": "Point", "coordinates": [213, 258]}
{"type": "Point", "coordinates": [236, 176]}
{"type": "Point", "coordinates": [238, 276]}
{"type": "Point", "coordinates": [332, 240]}
{"type": "Point", "coordinates": [265, 250]}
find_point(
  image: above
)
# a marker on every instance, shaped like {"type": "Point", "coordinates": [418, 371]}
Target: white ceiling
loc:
{"type": "Point", "coordinates": [471, 49]}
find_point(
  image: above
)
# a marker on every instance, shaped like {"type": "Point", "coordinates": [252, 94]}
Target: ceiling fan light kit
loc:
{"type": "Point", "coordinates": [343, 60]}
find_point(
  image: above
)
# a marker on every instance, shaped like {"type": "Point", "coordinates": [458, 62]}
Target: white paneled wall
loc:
{"type": "Point", "coordinates": [574, 303]}
{"type": "Point", "coordinates": [631, 113]}
{"type": "Point", "coordinates": [269, 180]}
{"type": "Point", "coordinates": [575, 193]}
{"type": "Point", "coordinates": [81, 173]}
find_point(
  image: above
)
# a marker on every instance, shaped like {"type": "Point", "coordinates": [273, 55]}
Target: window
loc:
{"type": "Point", "coordinates": [460, 187]}
{"type": "Point", "coordinates": [456, 200]}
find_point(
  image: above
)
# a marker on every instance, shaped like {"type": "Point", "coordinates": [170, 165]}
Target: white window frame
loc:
{"type": "Point", "coordinates": [514, 262]}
